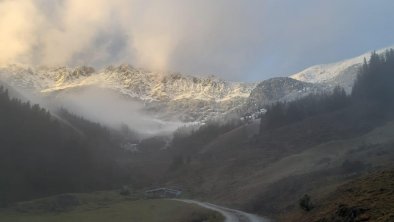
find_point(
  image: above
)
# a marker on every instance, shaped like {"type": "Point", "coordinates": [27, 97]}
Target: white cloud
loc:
{"type": "Point", "coordinates": [173, 34]}
{"type": "Point", "coordinates": [79, 24]}
{"type": "Point", "coordinates": [225, 37]}
{"type": "Point", "coordinates": [19, 23]}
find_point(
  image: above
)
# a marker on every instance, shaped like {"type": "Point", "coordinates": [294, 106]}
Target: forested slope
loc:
{"type": "Point", "coordinates": [41, 155]}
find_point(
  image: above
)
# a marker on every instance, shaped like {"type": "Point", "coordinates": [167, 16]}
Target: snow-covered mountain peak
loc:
{"type": "Point", "coordinates": [176, 96]}
{"type": "Point", "coordinates": [341, 73]}
{"type": "Point", "coordinates": [191, 97]}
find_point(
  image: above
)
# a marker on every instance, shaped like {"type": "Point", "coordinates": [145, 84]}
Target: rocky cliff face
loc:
{"type": "Point", "coordinates": [166, 95]}
{"type": "Point", "coordinates": [185, 98]}
{"type": "Point", "coordinates": [278, 89]}
{"type": "Point", "coordinates": [281, 89]}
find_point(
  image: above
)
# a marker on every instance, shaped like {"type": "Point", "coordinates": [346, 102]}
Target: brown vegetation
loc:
{"type": "Point", "coordinates": [370, 198]}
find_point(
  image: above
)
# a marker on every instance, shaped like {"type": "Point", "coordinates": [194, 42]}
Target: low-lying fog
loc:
{"type": "Point", "coordinates": [103, 106]}
{"type": "Point", "coordinates": [111, 109]}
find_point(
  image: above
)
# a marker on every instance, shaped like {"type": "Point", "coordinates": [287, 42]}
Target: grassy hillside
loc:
{"type": "Point", "coordinates": [105, 206]}
{"type": "Point", "coordinates": [265, 182]}
{"type": "Point", "coordinates": [370, 198]}
{"type": "Point", "coordinates": [314, 146]}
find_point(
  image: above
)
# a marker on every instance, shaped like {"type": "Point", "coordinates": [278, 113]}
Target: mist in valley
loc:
{"type": "Point", "coordinates": [114, 110]}
{"type": "Point", "coordinates": [109, 111]}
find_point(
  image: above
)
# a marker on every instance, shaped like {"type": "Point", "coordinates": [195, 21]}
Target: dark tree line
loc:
{"type": "Point", "coordinates": [315, 118]}
{"type": "Point", "coordinates": [373, 92]}
{"type": "Point", "coordinates": [41, 155]}
{"type": "Point", "coordinates": [375, 80]}
{"type": "Point", "coordinates": [283, 113]}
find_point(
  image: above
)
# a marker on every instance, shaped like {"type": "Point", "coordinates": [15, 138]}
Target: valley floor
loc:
{"type": "Point", "coordinates": [230, 215]}
{"type": "Point", "coordinates": [99, 207]}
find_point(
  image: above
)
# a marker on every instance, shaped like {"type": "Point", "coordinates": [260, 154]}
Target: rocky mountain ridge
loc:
{"type": "Point", "coordinates": [194, 98]}
{"type": "Point", "coordinates": [187, 98]}
{"type": "Point", "coordinates": [342, 73]}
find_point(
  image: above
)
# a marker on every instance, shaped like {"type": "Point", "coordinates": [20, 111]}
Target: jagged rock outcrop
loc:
{"type": "Point", "coordinates": [164, 95]}
{"type": "Point", "coordinates": [278, 89]}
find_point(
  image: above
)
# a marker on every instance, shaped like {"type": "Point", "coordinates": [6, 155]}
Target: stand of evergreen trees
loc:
{"type": "Point", "coordinates": [376, 80]}
{"type": "Point", "coordinates": [283, 113]}
{"type": "Point", "coordinates": [373, 92]}
{"type": "Point", "coordinates": [41, 155]}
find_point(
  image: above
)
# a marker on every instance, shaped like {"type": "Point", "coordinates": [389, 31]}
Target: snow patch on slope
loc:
{"type": "Point", "coordinates": [341, 73]}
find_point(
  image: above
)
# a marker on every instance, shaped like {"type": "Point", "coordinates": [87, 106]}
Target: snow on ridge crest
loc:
{"type": "Point", "coordinates": [341, 73]}
{"type": "Point", "coordinates": [138, 83]}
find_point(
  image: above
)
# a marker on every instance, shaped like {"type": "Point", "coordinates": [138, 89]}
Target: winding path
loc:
{"type": "Point", "coordinates": [230, 215]}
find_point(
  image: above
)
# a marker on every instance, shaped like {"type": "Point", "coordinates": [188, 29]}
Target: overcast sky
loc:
{"type": "Point", "coordinates": [245, 40]}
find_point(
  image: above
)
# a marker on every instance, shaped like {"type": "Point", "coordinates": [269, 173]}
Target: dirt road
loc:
{"type": "Point", "coordinates": [230, 215]}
